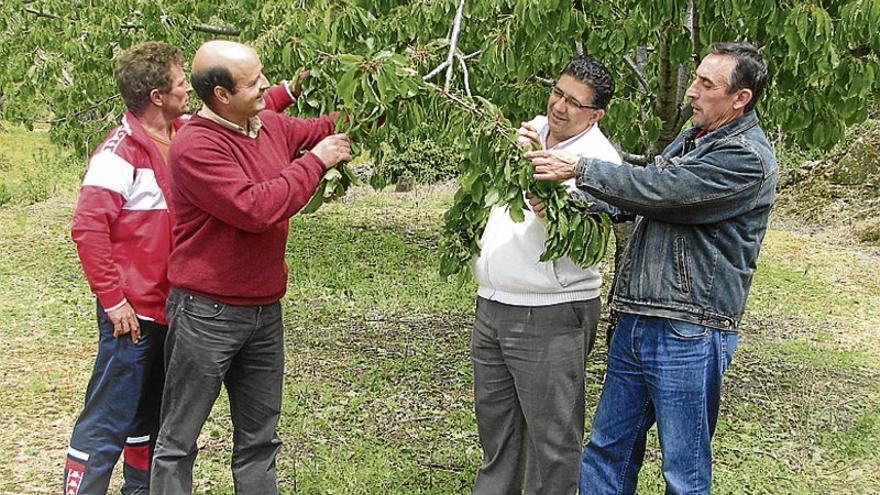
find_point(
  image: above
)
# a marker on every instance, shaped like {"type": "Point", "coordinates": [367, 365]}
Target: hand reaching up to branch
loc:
{"type": "Point", "coordinates": [528, 137]}
{"type": "Point", "coordinates": [333, 149]}
{"type": "Point", "coordinates": [296, 87]}
{"type": "Point", "coordinates": [553, 164]}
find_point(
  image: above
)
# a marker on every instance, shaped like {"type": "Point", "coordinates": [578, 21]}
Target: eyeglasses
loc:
{"type": "Point", "coordinates": [556, 92]}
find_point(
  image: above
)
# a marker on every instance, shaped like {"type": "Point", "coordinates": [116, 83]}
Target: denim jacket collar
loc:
{"type": "Point", "coordinates": [687, 141]}
{"type": "Point", "coordinates": [736, 126]}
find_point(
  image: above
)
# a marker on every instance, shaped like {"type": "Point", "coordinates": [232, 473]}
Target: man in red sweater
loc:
{"type": "Point", "coordinates": [122, 230]}
{"type": "Point", "coordinates": [239, 174]}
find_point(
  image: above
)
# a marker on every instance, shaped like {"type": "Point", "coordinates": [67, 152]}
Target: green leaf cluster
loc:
{"type": "Point", "coordinates": [496, 174]}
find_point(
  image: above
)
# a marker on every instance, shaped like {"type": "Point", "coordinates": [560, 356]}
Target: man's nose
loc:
{"type": "Point", "coordinates": [692, 90]}
{"type": "Point", "coordinates": [560, 105]}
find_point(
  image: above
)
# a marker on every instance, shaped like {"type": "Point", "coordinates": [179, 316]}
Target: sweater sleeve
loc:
{"type": "Point", "coordinates": [277, 98]}
{"type": "Point", "coordinates": [304, 134]}
{"type": "Point", "coordinates": [103, 193]}
{"type": "Point", "coordinates": [210, 178]}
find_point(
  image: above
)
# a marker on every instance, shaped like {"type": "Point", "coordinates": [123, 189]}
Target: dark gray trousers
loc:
{"type": "Point", "coordinates": [209, 343]}
{"type": "Point", "coordinates": [529, 394]}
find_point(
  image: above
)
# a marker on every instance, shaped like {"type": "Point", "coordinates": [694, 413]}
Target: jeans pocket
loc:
{"type": "Point", "coordinates": [200, 307]}
{"type": "Point", "coordinates": [685, 330]}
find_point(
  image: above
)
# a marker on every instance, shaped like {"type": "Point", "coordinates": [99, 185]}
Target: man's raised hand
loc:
{"type": "Point", "coordinates": [333, 149]}
{"type": "Point", "coordinates": [528, 137]}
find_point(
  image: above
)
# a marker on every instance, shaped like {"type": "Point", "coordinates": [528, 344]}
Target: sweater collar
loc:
{"type": "Point", "coordinates": [253, 128]}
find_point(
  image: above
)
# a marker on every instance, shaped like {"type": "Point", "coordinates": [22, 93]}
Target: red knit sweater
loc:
{"type": "Point", "coordinates": [232, 197]}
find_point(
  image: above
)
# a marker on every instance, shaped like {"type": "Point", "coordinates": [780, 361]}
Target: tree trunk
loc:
{"type": "Point", "coordinates": [405, 184]}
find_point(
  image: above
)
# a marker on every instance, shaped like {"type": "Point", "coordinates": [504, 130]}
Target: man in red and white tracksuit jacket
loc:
{"type": "Point", "coordinates": [122, 230]}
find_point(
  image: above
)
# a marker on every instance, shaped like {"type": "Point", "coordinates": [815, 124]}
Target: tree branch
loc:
{"type": "Point", "coordinates": [453, 41]}
{"type": "Point", "coordinates": [633, 158]}
{"type": "Point", "coordinates": [682, 82]}
{"type": "Point", "coordinates": [204, 28]}
{"type": "Point", "coordinates": [445, 64]}
{"type": "Point", "coordinates": [472, 55]}
{"type": "Point", "coordinates": [435, 71]}
{"type": "Point", "coordinates": [40, 13]}
{"type": "Point", "coordinates": [643, 81]}
{"type": "Point", "coordinates": [543, 80]}
{"type": "Point", "coordinates": [215, 29]}
{"type": "Point", "coordinates": [81, 113]}
{"type": "Point", "coordinates": [694, 27]}
{"type": "Point", "coordinates": [464, 70]}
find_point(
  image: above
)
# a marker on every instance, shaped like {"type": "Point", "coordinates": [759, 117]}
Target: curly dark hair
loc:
{"type": "Point", "coordinates": [590, 71]}
{"type": "Point", "coordinates": [750, 71]}
{"type": "Point", "coordinates": [143, 68]}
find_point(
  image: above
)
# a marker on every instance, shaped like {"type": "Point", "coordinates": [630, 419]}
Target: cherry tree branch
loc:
{"type": "Point", "coordinates": [544, 80]}
{"type": "Point", "coordinates": [439, 68]}
{"type": "Point", "coordinates": [215, 29]}
{"type": "Point", "coordinates": [453, 41]}
{"type": "Point", "coordinates": [40, 13]}
{"type": "Point", "coordinates": [204, 28]}
{"type": "Point", "coordinates": [633, 158]}
{"type": "Point", "coordinates": [693, 24]}
{"type": "Point", "coordinates": [464, 70]}
{"type": "Point", "coordinates": [643, 81]}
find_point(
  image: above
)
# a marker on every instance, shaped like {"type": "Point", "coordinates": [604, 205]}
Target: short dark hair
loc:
{"type": "Point", "coordinates": [204, 82]}
{"type": "Point", "coordinates": [143, 68]}
{"type": "Point", "coordinates": [750, 71]}
{"type": "Point", "coordinates": [590, 71]}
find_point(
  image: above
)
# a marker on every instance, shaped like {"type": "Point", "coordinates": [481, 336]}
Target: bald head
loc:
{"type": "Point", "coordinates": [221, 69]}
{"type": "Point", "coordinates": [221, 53]}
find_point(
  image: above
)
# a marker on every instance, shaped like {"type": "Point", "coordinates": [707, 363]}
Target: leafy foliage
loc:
{"type": "Point", "coordinates": [376, 55]}
{"type": "Point", "coordinates": [823, 55]}
{"type": "Point", "coordinates": [417, 157]}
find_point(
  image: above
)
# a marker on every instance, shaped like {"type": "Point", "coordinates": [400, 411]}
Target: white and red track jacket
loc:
{"type": "Point", "coordinates": [122, 223]}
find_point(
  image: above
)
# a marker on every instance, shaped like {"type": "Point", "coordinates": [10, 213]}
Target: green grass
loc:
{"type": "Point", "coordinates": [378, 391]}
{"type": "Point", "coordinates": [32, 169]}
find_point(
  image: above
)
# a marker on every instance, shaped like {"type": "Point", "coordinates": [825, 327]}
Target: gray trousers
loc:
{"type": "Point", "coordinates": [529, 394]}
{"type": "Point", "coordinates": [209, 343]}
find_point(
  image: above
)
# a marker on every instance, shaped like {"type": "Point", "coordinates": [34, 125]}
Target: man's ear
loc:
{"type": "Point", "coordinates": [221, 94]}
{"type": "Point", "coordinates": [599, 114]}
{"type": "Point", "coordinates": [743, 97]}
{"type": "Point", "coordinates": [155, 97]}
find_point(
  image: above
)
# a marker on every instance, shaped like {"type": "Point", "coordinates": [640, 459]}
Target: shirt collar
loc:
{"type": "Point", "coordinates": [253, 128]}
{"type": "Point", "coordinates": [545, 132]}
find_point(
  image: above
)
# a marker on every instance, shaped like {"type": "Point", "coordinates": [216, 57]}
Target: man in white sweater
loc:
{"type": "Point", "coordinates": [536, 321]}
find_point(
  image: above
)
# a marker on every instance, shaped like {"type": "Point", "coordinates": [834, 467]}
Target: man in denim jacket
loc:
{"type": "Point", "coordinates": [701, 213]}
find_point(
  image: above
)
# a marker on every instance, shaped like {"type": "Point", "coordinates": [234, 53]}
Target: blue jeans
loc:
{"type": "Point", "coordinates": [121, 412]}
{"type": "Point", "coordinates": [663, 371]}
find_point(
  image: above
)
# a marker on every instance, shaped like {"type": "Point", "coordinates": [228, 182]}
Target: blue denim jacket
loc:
{"type": "Point", "coordinates": [700, 215]}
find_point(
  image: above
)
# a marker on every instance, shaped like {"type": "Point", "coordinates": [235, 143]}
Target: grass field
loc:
{"type": "Point", "coordinates": [378, 395]}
